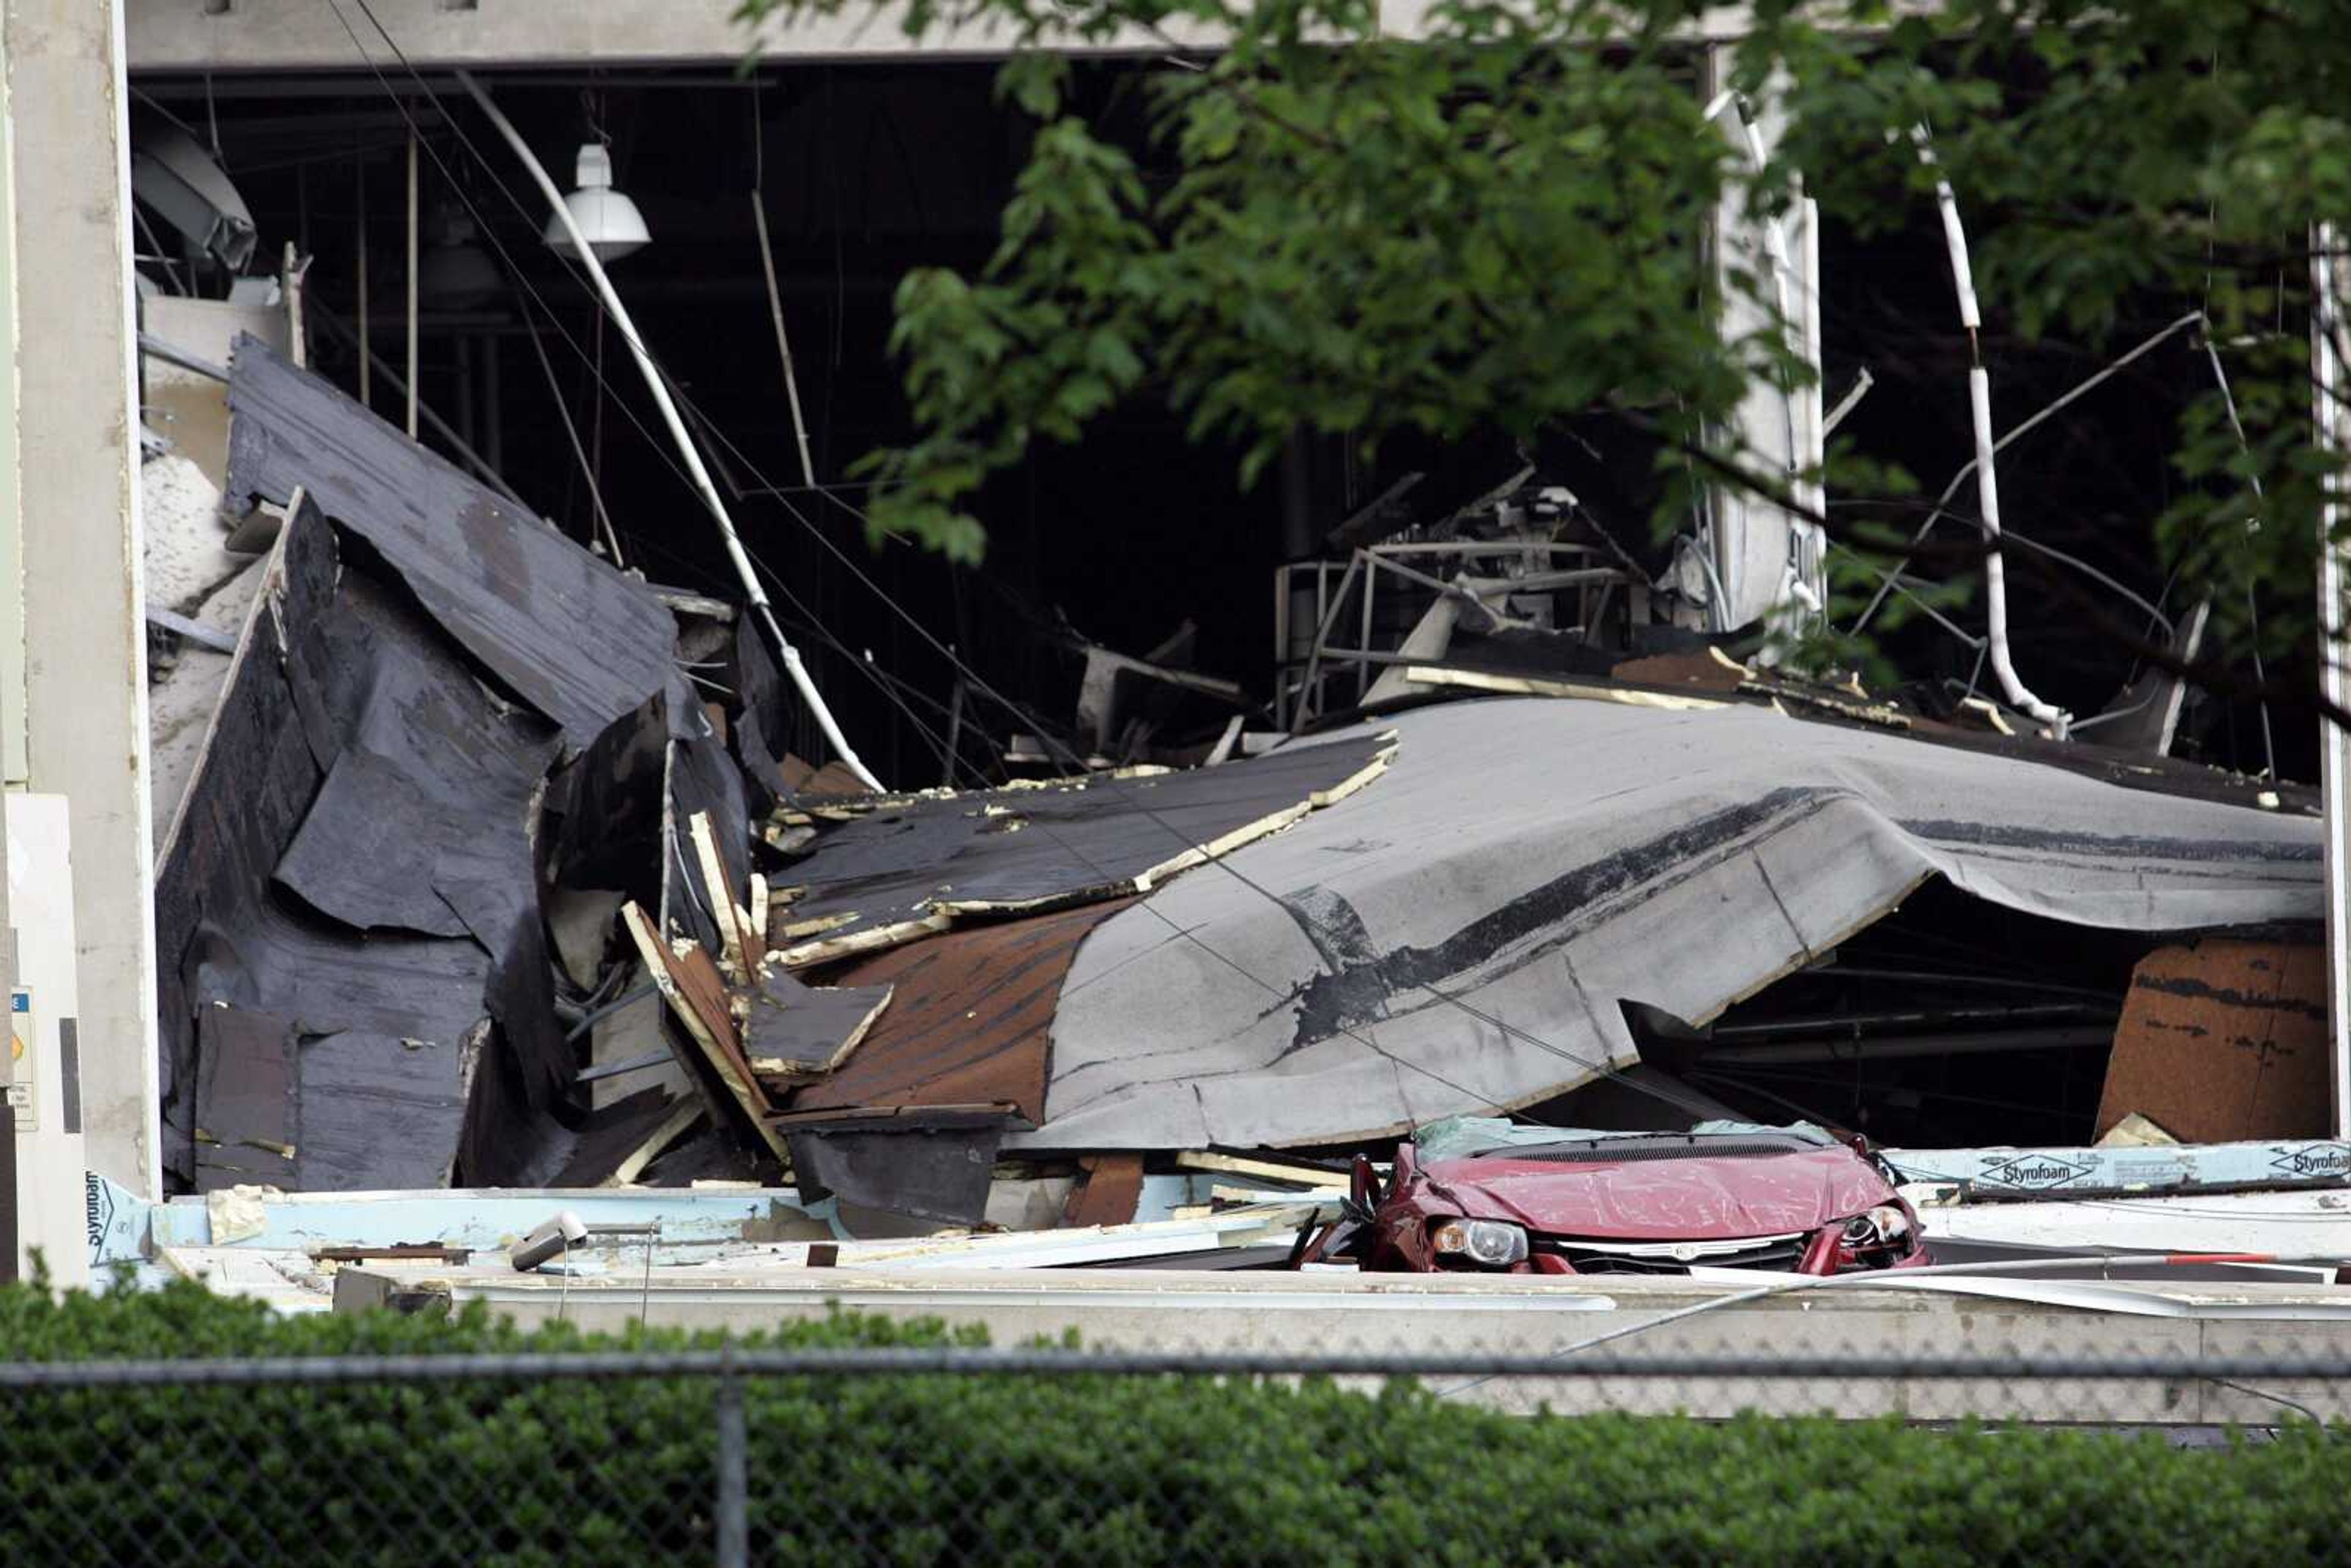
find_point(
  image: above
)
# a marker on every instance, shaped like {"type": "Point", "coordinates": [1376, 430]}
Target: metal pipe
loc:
{"type": "Point", "coordinates": [2327, 355]}
{"type": "Point", "coordinates": [753, 593]}
{"type": "Point", "coordinates": [155, 348]}
{"type": "Point", "coordinates": [1899, 1048]}
{"type": "Point", "coordinates": [1955, 238]}
{"type": "Point", "coordinates": [783, 341]}
{"type": "Point", "coordinates": [1850, 1025]}
{"type": "Point", "coordinates": [1849, 402]}
{"type": "Point", "coordinates": [2003, 665]}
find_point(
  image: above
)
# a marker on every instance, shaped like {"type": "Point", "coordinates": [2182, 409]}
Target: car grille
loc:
{"type": "Point", "coordinates": [1779, 1252]}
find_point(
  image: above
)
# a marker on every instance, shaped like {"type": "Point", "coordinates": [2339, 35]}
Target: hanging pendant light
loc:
{"type": "Point", "coordinates": [456, 273]}
{"type": "Point", "coordinates": [608, 220]}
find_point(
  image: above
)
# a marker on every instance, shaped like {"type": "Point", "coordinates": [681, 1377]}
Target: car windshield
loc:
{"type": "Point", "coordinates": [1467, 1137]}
{"type": "Point", "coordinates": [1654, 1147]}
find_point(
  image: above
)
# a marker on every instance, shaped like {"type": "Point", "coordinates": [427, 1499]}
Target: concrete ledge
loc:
{"type": "Point", "coordinates": [1343, 1313]}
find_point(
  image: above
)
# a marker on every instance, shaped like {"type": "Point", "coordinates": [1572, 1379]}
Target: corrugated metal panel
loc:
{"type": "Point", "coordinates": [969, 1017]}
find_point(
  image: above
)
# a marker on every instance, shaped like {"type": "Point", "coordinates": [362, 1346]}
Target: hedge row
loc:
{"type": "Point", "coordinates": [923, 1470]}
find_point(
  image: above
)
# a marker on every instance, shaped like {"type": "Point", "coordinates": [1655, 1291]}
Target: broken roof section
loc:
{"type": "Point", "coordinates": [939, 928]}
{"type": "Point", "coordinates": [899, 867]}
{"type": "Point", "coordinates": [351, 863]}
{"type": "Point", "coordinates": [1464, 937]}
{"type": "Point", "coordinates": [354, 987]}
{"type": "Point", "coordinates": [558, 629]}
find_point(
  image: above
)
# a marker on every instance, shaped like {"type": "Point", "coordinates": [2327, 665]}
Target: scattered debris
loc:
{"type": "Point", "coordinates": [470, 794]}
{"type": "Point", "coordinates": [1464, 936]}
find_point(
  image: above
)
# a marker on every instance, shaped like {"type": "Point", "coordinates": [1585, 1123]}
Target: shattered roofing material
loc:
{"type": "Point", "coordinates": [792, 1030]}
{"type": "Point", "coordinates": [1542, 862]}
{"type": "Point", "coordinates": [348, 900]}
{"type": "Point", "coordinates": [559, 628]}
{"type": "Point", "coordinates": [900, 868]}
{"type": "Point", "coordinates": [385, 967]}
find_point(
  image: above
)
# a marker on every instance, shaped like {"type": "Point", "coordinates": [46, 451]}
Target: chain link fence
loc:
{"type": "Point", "coordinates": [735, 1455]}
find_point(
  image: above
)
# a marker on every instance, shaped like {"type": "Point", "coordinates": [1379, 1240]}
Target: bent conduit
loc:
{"type": "Point", "coordinates": [754, 595]}
{"type": "Point", "coordinates": [1987, 481]}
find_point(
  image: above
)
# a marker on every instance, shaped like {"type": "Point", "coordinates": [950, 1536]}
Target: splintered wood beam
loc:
{"type": "Point", "coordinates": [696, 994]}
{"type": "Point", "coordinates": [723, 906]}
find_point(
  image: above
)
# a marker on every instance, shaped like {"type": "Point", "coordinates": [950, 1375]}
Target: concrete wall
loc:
{"type": "Point", "coordinates": [311, 35]}
{"type": "Point", "coordinates": [1345, 1313]}
{"type": "Point", "coordinates": [77, 526]}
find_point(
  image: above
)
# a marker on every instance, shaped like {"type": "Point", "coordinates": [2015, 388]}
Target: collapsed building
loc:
{"type": "Point", "coordinates": [498, 849]}
{"type": "Point", "coordinates": [461, 825]}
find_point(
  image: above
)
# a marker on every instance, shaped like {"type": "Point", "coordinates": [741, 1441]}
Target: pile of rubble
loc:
{"type": "Point", "coordinates": [472, 887]}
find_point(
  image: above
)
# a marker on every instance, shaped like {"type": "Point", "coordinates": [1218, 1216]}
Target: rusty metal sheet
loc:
{"type": "Point", "coordinates": [2221, 1041]}
{"type": "Point", "coordinates": [969, 1018]}
{"type": "Point", "coordinates": [1110, 1194]}
{"type": "Point", "coordinates": [1696, 669]}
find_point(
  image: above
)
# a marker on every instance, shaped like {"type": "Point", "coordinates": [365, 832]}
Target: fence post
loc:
{"type": "Point", "coordinates": [734, 1484]}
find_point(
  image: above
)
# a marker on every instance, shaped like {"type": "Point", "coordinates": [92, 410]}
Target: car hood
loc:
{"type": "Point", "coordinates": [1694, 1198]}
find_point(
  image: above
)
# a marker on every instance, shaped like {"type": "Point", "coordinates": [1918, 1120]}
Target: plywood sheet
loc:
{"type": "Point", "coordinates": [2221, 1041]}
{"type": "Point", "coordinates": [696, 994]}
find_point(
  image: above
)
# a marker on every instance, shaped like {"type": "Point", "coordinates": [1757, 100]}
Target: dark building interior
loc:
{"type": "Point", "coordinates": [867, 171]}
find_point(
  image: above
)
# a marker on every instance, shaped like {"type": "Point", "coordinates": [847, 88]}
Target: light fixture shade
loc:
{"type": "Point", "coordinates": [457, 276]}
{"type": "Point", "coordinates": [608, 220]}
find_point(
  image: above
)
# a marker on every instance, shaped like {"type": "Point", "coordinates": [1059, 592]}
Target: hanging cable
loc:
{"type": "Point", "coordinates": [572, 434]}
{"type": "Point", "coordinates": [2252, 611]}
{"type": "Point", "coordinates": [657, 385]}
{"type": "Point", "coordinates": [2081, 389]}
{"type": "Point", "coordinates": [592, 365]}
{"type": "Point", "coordinates": [1602, 1068]}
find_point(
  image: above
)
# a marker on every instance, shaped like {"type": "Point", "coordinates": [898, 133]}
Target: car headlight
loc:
{"type": "Point", "coordinates": [1488, 1243]}
{"type": "Point", "coordinates": [1883, 1230]}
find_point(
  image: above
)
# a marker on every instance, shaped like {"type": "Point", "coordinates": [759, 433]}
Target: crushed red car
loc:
{"type": "Point", "coordinates": [1793, 1200]}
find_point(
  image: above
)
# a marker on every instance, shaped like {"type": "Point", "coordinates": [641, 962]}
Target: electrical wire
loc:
{"type": "Point", "coordinates": [2081, 389]}
{"type": "Point", "coordinates": [592, 362]}
{"type": "Point", "coordinates": [1687, 1104]}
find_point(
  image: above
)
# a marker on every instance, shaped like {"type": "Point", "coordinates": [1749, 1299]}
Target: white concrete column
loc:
{"type": "Point", "coordinates": [78, 528]}
{"type": "Point", "coordinates": [1769, 560]}
{"type": "Point", "coordinates": [2330, 355]}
